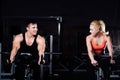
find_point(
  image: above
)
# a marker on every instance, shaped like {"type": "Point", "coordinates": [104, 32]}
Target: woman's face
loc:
{"type": "Point", "coordinates": [94, 29]}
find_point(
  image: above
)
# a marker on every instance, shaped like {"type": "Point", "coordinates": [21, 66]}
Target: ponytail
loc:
{"type": "Point", "coordinates": [102, 27]}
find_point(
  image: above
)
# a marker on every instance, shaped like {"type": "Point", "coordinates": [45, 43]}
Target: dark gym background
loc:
{"type": "Point", "coordinates": [76, 17]}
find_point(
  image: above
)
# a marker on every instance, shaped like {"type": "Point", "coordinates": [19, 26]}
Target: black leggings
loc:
{"type": "Point", "coordinates": [21, 64]}
{"type": "Point", "coordinates": [104, 63]}
{"type": "Point", "coordinates": [20, 72]}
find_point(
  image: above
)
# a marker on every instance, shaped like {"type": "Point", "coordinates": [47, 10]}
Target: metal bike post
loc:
{"type": "Point", "coordinates": [51, 55]}
{"type": "Point", "coordinates": [0, 66]}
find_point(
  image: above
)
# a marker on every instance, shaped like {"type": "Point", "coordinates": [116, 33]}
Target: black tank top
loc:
{"type": "Point", "coordinates": [24, 48]}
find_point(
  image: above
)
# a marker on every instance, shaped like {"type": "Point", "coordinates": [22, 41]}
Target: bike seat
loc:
{"type": "Point", "coordinates": [25, 58]}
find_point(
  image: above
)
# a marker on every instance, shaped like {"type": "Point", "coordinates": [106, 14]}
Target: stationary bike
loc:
{"type": "Point", "coordinates": [27, 58]}
{"type": "Point", "coordinates": [99, 73]}
{"type": "Point", "coordinates": [27, 62]}
{"type": "Point", "coordinates": [98, 70]}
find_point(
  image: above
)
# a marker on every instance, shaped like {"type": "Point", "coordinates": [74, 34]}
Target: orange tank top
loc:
{"type": "Point", "coordinates": [98, 48]}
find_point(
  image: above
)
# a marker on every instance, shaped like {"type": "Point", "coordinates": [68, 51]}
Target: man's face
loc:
{"type": "Point", "coordinates": [32, 29]}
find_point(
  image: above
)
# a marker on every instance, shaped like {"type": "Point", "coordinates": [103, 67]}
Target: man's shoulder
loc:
{"type": "Point", "coordinates": [18, 37]}
{"type": "Point", "coordinates": [41, 38]}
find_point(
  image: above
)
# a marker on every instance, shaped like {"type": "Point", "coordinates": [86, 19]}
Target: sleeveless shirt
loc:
{"type": "Point", "coordinates": [24, 48]}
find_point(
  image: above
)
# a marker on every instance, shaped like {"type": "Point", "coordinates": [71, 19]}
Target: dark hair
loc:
{"type": "Point", "coordinates": [28, 21]}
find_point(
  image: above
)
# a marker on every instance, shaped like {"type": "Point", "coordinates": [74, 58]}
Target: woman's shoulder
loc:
{"type": "Point", "coordinates": [89, 37]}
{"type": "Point", "coordinates": [107, 36]}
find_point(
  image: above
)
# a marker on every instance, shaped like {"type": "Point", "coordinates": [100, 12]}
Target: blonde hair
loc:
{"type": "Point", "coordinates": [99, 23]}
{"type": "Point", "coordinates": [102, 26]}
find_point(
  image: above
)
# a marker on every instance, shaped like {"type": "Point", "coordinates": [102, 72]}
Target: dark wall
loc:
{"type": "Point", "coordinates": [74, 12]}
{"type": "Point", "coordinates": [86, 9]}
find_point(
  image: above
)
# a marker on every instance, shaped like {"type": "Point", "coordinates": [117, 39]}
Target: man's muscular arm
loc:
{"type": "Point", "coordinates": [15, 46]}
{"type": "Point", "coordinates": [41, 47]}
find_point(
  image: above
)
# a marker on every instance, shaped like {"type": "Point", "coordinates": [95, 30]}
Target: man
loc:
{"type": "Point", "coordinates": [29, 42]}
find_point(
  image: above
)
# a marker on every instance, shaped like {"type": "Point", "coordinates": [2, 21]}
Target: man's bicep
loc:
{"type": "Point", "coordinates": [41, 46]}
{"type": "Point", "coordinates": [16, 44]}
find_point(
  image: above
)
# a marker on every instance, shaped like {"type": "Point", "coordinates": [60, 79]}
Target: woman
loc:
{"type": "Point", "coordinates": [96, 43]}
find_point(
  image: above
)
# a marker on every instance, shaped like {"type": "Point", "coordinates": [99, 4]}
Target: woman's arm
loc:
{"type": "Point", "coordinates": [110, 48]}
{"type": "Point", "coordinates": [90, 52]}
